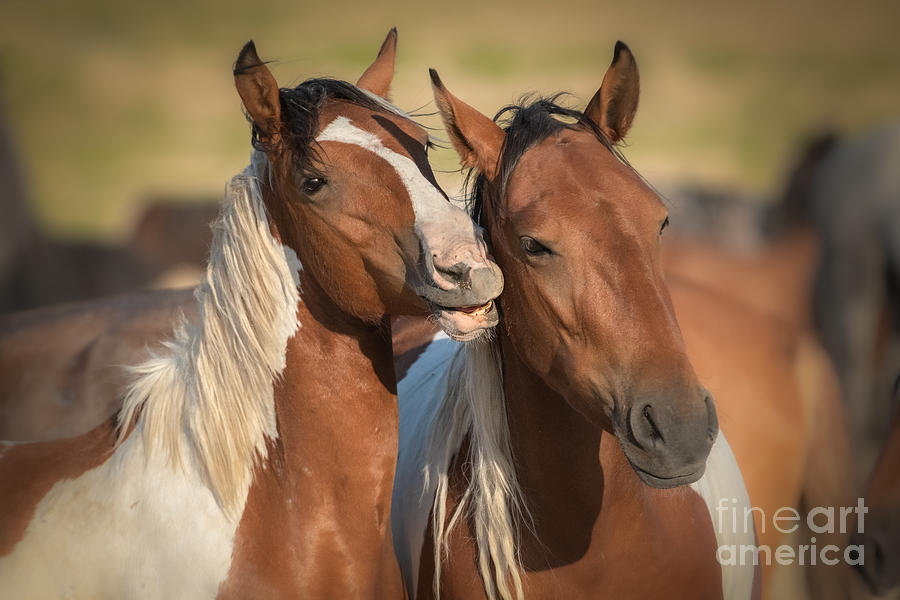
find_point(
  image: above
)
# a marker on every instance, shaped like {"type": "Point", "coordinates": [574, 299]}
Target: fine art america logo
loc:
{"type": "Point", "coordinates": [821, 520]}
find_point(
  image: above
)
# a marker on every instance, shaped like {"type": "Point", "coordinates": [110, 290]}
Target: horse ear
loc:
{"type": "Point", "coordinates": [476, 138]}
{"type": "Point", "coordinates": [613, 107]}
{"type": "Point", "coordinates": [259, 91]}
{"type": "Point", "coordinates": [377, 78]}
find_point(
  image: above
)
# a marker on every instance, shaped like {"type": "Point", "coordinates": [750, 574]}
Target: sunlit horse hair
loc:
{"type": "Point", "coordinates": [208, 397]}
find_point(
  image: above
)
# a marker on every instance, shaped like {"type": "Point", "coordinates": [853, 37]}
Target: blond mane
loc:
{"type": "Point", "coordinates": [207, 398]}
{"type": "Point", "coordinates": [474, 410]}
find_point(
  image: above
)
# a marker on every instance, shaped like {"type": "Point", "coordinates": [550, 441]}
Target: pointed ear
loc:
{"type": "Point", "coordinates": [259, 92]}
{"type": "Point", "coordinates": [377, 78]}
{"type": "Point", "coordinates": [476, 138]}
{"type": "Point", "coordinates": [613, 107]}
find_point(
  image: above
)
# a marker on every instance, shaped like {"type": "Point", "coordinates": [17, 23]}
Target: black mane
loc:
{"type": "Point", "coordinates": [300, 108]}
{"type": "Point", "coordinates": [527, 124]}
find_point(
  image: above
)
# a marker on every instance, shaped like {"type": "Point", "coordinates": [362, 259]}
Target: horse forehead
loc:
{"type": "Point", "coordinates": [393, 131]}
{"type": "Point", "coordinates": [575, 171]}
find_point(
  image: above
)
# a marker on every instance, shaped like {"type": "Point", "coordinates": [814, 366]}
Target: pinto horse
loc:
{"type": "Point", "coordinates": [254, 457]}
{"type": "Point", "coordinates": [553, 460]}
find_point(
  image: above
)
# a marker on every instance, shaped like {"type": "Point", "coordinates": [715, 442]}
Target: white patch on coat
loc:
{"type": "Point", "coordinates": [455, 390]}
{"type": "Point", "coordinates": [158, 518]}
{"type": "Point", "coordinates": [134, 527]}
{"type": "Point", "coordinates": [419, 393]}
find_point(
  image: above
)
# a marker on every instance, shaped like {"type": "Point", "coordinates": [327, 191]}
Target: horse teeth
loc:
{"type": "Point", "coordinates": [483, 309]}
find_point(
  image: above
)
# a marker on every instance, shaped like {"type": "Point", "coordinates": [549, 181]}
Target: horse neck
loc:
{"type": "Point", "coordinates": [549, 439]}
{"type": "Point", "coordinates": [336, 402]}
{"type": "Point", "coordinates": [324, 489]}
{"type": "Point", "coordinates": [568, 467]}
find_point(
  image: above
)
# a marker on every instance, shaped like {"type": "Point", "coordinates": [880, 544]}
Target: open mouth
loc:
{"type": "Point", "coordinates": [465, 323]}
{"type": "Point", "coordinates": [471, 310]}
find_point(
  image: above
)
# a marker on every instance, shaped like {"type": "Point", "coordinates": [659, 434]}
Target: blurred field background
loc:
{"type": "Point", "coordinates": [112, 102]}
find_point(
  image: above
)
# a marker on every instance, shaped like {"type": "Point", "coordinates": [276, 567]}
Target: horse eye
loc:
{"type": "Point", "coordinates": [533, 247]}
{"type": "Point", "coordinates": [311, 185]}
{"type": "Point", "coordinates": [664, 225]}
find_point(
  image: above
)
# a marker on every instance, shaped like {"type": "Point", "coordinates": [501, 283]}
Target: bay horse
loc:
{"type": "Point", "coordinates": [554, 460]}
{"type": "Point", "coordinates": [254, 457]}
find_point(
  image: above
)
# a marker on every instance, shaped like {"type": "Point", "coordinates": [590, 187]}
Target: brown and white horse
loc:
{"type": "Point", "coordinates": [553, 460]}
{"type": "Point", "coordinates": [255, 456]}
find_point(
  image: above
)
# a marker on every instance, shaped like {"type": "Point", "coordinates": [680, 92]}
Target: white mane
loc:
{"type": "Point", "coordinates": [474, 407]}
{"type": "Point", "coordinates": [208, 398]}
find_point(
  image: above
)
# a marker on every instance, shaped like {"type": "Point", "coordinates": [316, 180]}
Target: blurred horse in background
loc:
{"type": "Point", "coordinates": [168, 243]}
{"type": "Point", "coordinates": [735, 243]}
{"type": "Point", "coordinates": [881, 537]}
{"type": "Point", "coordinates": [63, 368]}
{"type": "Point", "coordinates": [854, 206]}
{"type": "Point", "coordinates": [825, 258]}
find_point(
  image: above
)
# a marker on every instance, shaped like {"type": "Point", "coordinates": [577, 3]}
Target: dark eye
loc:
{"type": "Point", "coordinates": [664, 225]}
{"type": "Point", "coordinates": [311, 185]}
{"type": "Point", "coordinates": [532, 247]}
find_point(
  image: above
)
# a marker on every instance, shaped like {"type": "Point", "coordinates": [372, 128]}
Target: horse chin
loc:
{"type": "Point", "coordinates": [653, 477]}
{"type": "Point", "coordinates": [667, 482]}
{"type": "Point", "coordinates": [465, 324]}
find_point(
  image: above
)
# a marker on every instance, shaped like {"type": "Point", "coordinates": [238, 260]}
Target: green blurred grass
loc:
{"type": "Point", "coordinates": [114, 101]}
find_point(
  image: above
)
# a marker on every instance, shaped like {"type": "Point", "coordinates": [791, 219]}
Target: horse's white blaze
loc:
{"type": "Point", "coordinates": [134, 527]}
{"type": "Point", "coordinates": [443, 229]}
{"type": "Point", "coordinates": [427, 202]}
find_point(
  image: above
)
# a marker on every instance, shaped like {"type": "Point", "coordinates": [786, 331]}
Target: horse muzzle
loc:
{"type": "Point", "coordinates": [667, 445]}
{"type": "Point", "coordinates": [461, 298]}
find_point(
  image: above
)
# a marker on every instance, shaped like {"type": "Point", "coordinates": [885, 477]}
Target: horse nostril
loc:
{"type": "Point", "coordinates": [712, 423]}
{"type": "Point", "coordinates": [457, 274]}
{"type": "Point", "coordinates": [644, 430]}
{"type": "Point", "coordinates": [655, 433]}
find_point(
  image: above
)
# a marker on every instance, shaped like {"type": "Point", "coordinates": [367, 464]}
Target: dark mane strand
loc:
{"type": "Point", "coordinates": [300, 108]}
{"type": "Point", "coordinates": [526, 124]}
